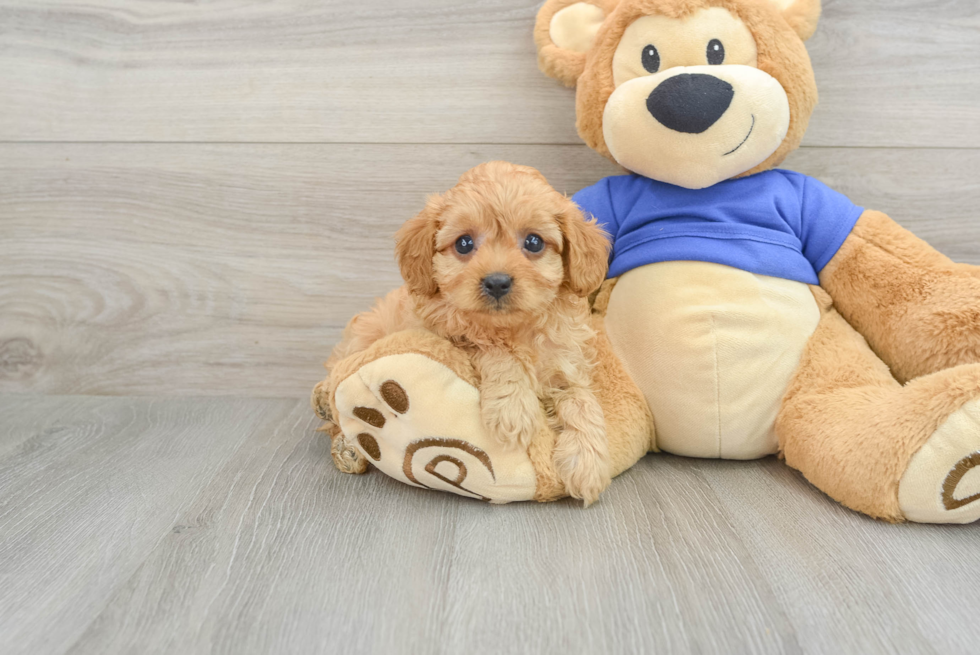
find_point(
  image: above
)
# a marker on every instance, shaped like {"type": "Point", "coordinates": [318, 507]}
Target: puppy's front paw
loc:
{"type": "Point", "coordinates": [582, 465]}
{"type": "Point", "coordinates": [511, 417]}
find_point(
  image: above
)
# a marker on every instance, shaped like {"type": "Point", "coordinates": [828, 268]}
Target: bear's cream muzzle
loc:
{"type": "Point", "coordinates": [696, 126]}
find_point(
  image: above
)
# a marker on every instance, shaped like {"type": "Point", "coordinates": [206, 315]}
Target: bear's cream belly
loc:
{"type": "Point", "coordinates": [713, 349]}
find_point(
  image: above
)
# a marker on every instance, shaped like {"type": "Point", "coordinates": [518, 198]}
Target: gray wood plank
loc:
{"type": "Point", "coordinates": [231, 269]}
{"type": "Point", "coordinates": [219, 526]}
{"type": "Point", "coordinates": [892, 72]}
{"type": "Point", "coordinates": [932, 192]}
{"type": "Point", "coordinates": [655, 567]}
{"type": "Point", "coordinates": [282, 553]}
{"type": "Point", "coordinates": [86, 497]}
{"type": "Point", "coordinates": [849, 583]}
{"type": "Point", "coordinates": [366, 565]}
{"type": "Point", "coordinates": [47, 417]}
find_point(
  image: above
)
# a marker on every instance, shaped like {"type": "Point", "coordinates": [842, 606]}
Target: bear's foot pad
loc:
{"type": "Point", "coordinates": [942, 482]}
{"type": "Point", "coordinates": [418, 422]}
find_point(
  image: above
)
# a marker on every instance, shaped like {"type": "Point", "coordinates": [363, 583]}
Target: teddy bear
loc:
{"type": "Point", "coordinates": [754, 310]}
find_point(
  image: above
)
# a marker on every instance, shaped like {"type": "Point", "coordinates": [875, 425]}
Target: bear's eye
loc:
{"type": "Point", "coordinates": [651, 59]}
{"type": "Point", "coordinates": [533, 243]}
{"type": "Point", "coordinates": [716, 52]}
{"type": "Point", "coordinates": [464, 244]}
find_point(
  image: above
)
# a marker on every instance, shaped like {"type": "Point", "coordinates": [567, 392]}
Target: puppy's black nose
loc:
{"type": "Point", "coordinates": [497, 285]}
{"type": "Point", "coordinates": [690, 103]}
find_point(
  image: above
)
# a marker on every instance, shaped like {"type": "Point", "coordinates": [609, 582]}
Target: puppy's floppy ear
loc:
{"type": "Point", "coordinates": [802, 15]}
{"type": "Point", "coordinates": [564, 32]}
{"type": "Point", "coordinates": [415, 246]}
{"type": "Point", "coordinates": [586, 251]}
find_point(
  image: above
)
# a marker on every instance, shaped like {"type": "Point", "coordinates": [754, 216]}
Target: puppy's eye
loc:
{"type": "Point", "coordinates": [533, 243]}
{"type": "Point", "coordinates": [716, 52]}
{"type": "Point", "coordinates": [651, 59]}
{"type": "Point", "coordinates": [464, 244]}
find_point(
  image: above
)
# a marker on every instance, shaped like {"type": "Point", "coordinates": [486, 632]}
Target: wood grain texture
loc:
{"type": "Point", "coordinates": [891, 72]}
{"type": "Point", "coordinates": [822, 560]}
{"type": "Point", "coordinates": [116, 538]}
{"type": "Point", "coordinates": [231, 269]}
{"type": "Point", "coordinates": [282, 553]}
{"type": "Point", "coordinates": [655, 569]}
{"type": "Point", "coordinates": [92, 487]}
{"type": "Point", "coordinates": [196, 196]}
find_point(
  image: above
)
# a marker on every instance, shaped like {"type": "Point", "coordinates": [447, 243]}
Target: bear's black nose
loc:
{"type": "Point", "coordinates": [690, 103]}
{"type": "Point", "coordinates": [497, 285]}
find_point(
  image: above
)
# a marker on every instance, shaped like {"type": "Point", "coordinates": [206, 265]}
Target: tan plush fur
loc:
{"type": "Point", "coordinates": [919, 311]}
{"type": "Point", "coordinates": [781, 54]}
{"type": "Point", "coordinates": [897, 311]}
{"type": "Point", "coordinates": [534, 343]}
{"type": "Point", "coordinates": [563, 65]}
{"type": "Point", "coordinates": [803, 17]}
{"type": "Point", "coordinates": [896, 352]}
{"type": "Point", "coordinates": [850, 427]}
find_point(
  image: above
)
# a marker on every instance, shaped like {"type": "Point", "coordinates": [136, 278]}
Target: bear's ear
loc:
{"type": "Point", "coordinates": [802, 15]}
{"type": "Point", "coordinates": [564, 32]}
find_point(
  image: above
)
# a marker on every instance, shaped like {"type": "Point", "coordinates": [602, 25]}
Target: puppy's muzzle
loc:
{"type": "Point", "coordinates": [497, 285]}
{"type": "Point", "coordinates": [690, 103]}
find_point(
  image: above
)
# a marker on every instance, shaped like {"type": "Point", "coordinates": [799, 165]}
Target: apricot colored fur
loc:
{"type": "Point", "coordinates": [535, 343]}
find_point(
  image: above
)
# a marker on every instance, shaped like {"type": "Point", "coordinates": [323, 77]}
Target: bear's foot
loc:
{"type": "Point", "coordinates": [417, 421]}
{"type": "Point", "coordinates": [942, 482]}
{"type": "Point", "coordinates": [345, 457]}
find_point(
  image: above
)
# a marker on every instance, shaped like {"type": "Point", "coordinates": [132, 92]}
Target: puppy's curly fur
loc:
{"type": "Point", "coordinates": [532, 345]}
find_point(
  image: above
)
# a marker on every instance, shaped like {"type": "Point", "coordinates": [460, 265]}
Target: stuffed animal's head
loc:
{"type": "Point", "coordinates": [688, 92]}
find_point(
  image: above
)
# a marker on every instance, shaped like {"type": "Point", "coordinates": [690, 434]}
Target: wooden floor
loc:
{"type": "Point", "coordinates": [133, 525]}
{"type": "Point", "coordinates": [196, 196]}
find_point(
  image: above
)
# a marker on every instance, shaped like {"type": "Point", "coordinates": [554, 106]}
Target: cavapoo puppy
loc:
{"type": "Point", "coordinates": [502, 264]}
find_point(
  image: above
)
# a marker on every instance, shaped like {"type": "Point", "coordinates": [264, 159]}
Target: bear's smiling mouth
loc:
{"type": "Point", "coordinates": [743, 140]}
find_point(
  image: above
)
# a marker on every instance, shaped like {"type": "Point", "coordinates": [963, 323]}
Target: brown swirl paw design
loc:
{"type": "Point", "coordinates": [423, 457]}
{"type": "Point", "coordinates": [955, 476]}
{"type": "Point", "coordinates": [416, 421]}
{"type": "Point", "coordinates": [462, 448]}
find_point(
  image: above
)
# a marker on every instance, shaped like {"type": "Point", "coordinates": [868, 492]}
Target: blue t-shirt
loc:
{"type": "Point", "coordinates": [776, 223]}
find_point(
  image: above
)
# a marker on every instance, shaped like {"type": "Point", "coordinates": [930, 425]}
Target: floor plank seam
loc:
{"type": "Point", "coordinates": [502, 144]}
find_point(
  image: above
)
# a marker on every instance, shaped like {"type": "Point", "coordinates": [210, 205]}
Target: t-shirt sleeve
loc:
{"type": "Point", "coordinates": [827, 219]}
{"type": "Point", "coordinates": [596, 200]}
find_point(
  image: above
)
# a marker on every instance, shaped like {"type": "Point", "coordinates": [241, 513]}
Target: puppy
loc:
{"type": "Point", "coordinates": [503, 265]}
